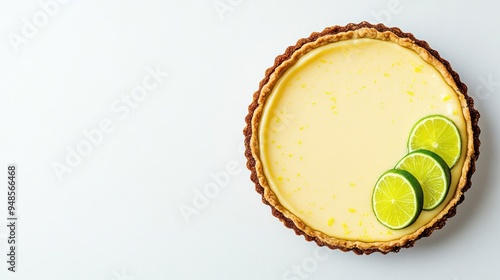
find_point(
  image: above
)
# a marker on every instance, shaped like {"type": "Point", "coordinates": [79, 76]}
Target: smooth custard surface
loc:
{"type": "Point", "coordinates": [337, 120]}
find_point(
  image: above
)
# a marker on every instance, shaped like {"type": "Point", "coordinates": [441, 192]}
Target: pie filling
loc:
{"type": "Point", "coordinates": [339, 118]}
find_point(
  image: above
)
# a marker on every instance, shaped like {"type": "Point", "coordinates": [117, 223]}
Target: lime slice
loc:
{"type": "Point", "coordinates": [397, 199]}
{"type": "Point", "coordinates": [432, 173]}
{"type": "Point", "coordinates": [438, 134]}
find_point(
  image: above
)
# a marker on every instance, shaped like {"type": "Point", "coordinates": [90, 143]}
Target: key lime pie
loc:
{"type": "Point", "coordinates": [362, 138]}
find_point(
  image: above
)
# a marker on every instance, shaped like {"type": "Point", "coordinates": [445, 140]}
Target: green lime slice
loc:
{"type": "Point", "coordinates": [432, 173]}
{"type": "Point", "coordinates": [397, 199]}
{"type": "Point", "coordinates": [438, 134]}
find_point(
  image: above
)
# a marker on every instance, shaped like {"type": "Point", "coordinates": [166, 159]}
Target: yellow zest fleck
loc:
{"type": "Point", "coordinates": [330, 222]}
{"type": "Point", "coordinates": [280, 178]}
{"type": "Point", "coordinates": [366, 237]}
{"type": "Point", "coordinates": [346, 229]}
{"type": "Point", "coordinates": [303, 85]}
{"type": "Point", "coordinates": [446, 97]}
{"type": "Point", "coordinates": [298, 174]}
{"type": "Point", "coordinates": [352, 184]}
{"type": "Point", "coordinates": [410, 93]}
{"type": "Point", "coordinates": [299, 142]}
{"type": "Point", "coordinates": [290, 155]}
{"type": "Point", "coordinates": [352, 210]}
{"type": "Point", "coordinates": [387, 75]}
{"type": "Point", "coordinates": [417, 69]}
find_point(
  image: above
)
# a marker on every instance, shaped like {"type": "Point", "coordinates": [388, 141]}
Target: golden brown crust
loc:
{"type": "Point", "coordinates": [337, 33]}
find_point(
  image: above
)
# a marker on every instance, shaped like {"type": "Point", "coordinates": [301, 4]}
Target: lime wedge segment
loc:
{"type": "Point", "coordinates": [438, 134]}
{"type": "Point", "coordinates": [432, 173]}
{"type": "Point", "coordinates": [397, 199]}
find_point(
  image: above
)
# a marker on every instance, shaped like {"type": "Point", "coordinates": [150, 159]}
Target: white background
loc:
{"type": "Point", "coordinates": [114, 214]}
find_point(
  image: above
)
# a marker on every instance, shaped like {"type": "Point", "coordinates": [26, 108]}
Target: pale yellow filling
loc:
{"type": "Point", "coordinates": [337, 120]}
